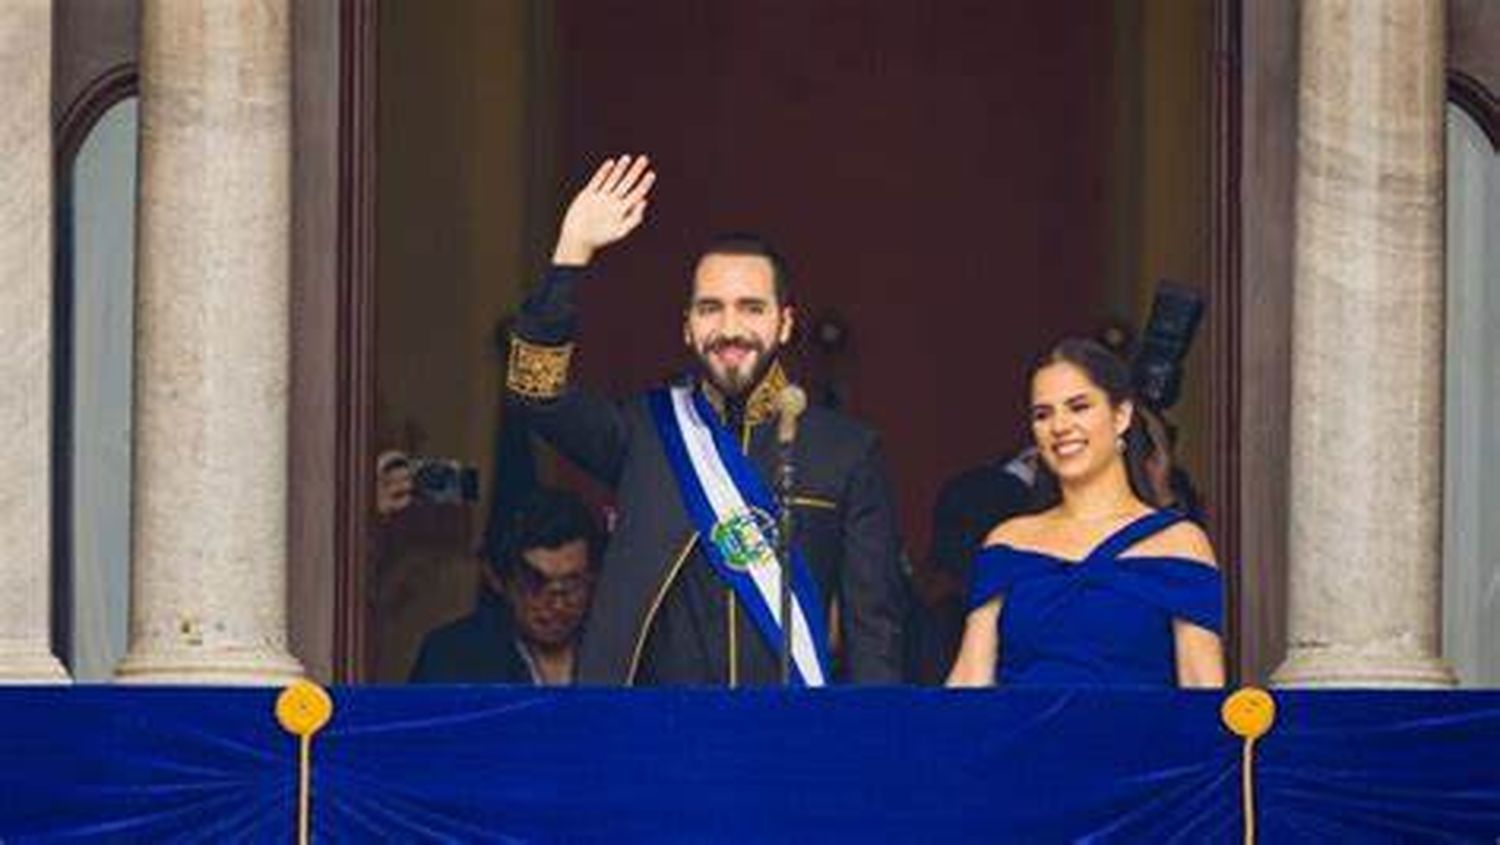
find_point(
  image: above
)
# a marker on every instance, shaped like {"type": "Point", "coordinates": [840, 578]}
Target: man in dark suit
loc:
{"type": "Point", "coordinates": [969, 506]}
{"type": "Point", "coordinates": [537, 584]}
{"type": "Point", "coordinates": [675, 601]}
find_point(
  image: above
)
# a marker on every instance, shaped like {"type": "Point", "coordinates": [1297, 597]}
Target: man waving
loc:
{"type": "Point", "coordinates": [690, 586]}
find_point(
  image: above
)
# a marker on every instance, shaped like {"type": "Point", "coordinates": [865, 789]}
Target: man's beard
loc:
{"type": "Point", "coordinates": [739, 380]}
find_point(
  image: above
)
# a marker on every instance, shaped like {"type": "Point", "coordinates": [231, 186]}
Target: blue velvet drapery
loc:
{"type": "Point", "coordinates": [889, 765]}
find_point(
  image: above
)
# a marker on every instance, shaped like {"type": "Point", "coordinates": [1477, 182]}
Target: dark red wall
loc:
{"type": "Point", "coordinates": [938, 173]}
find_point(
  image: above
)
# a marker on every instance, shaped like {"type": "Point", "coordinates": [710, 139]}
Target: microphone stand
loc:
{"type": "Point", "coordinates": [791, 402]}
{"type": "Point", "coordinates": [786, 478]}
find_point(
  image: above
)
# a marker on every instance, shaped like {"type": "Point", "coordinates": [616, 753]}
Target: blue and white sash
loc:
{"type": "Point", "coordinates": [736, 517]}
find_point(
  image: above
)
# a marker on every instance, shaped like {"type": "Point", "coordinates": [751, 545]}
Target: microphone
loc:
{"type": "Point", "coordinates": [790, 403]}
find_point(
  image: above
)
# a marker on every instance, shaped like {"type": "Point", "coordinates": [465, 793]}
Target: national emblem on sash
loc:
{"type": "Point", "coordinates": [744, 538]}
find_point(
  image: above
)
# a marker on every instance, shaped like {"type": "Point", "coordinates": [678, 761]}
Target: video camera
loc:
{"type": "Point", "coordinates": [1156, 368]}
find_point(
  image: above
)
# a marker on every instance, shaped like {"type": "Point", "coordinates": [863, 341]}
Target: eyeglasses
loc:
{"type": "Point", "coordinates": [538, 585]}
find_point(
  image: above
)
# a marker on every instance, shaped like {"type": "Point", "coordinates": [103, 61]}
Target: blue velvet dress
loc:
{"type": "Point", "coordinates": [1104, 620]}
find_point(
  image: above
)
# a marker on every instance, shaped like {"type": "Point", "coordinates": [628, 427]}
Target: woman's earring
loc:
{"type": "Point", "coordinates": [1120, 444]}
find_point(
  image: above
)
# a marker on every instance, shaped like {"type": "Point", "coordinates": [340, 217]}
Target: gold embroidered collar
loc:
{"type": "Point", "coordinates": [761, 406]}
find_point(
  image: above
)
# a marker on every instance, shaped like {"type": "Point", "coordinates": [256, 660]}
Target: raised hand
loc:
{"type": "Point", "coordinates": [608, 208]}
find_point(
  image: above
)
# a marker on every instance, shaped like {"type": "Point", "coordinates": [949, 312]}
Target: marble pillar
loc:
{"type": "Point", "coordinates": [1367, 355]}
{"type": "Point", "coordinates": [213, 245]}
{"type": "Point", "coordinates": [26, 344]}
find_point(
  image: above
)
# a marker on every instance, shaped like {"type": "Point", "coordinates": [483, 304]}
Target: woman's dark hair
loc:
{"type": "Point", "coordinates": [1148, 458]}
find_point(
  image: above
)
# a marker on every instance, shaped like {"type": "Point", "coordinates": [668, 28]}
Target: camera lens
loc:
{"type": "Point", "coordinates": [434, 479]}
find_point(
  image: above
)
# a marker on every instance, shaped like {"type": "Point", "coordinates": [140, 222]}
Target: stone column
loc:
{"type": "Point", "coordinates": [26, 344]}
{"type": "Point", "coordinates": [1367, 352]}
{"type": "Point", "coordinates": [208, 601]}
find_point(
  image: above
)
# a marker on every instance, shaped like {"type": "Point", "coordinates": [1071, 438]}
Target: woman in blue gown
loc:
{"type": "Point", "coordinates": [1105, 584]}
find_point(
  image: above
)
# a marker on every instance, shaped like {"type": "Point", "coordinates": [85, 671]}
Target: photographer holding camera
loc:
{"type": "Point", "coordinates": [537, 564]}
{"type": "Point", "coordinates": [400, 478]}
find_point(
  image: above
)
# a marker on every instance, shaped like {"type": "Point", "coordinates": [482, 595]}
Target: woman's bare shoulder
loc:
{"type": "Point", "coordinates": [1185, 539]}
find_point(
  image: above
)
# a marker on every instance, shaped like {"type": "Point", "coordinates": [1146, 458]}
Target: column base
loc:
{"type": "Point", "coordinates": [31, 666]}
{"type": "Point", "coordinates": [1361, 668]}
{"type": "Point", "coordinates": [203, 667]}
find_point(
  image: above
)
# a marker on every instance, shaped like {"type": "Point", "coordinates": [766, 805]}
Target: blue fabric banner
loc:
{"type": "Point", "coordinates": [489, 764]}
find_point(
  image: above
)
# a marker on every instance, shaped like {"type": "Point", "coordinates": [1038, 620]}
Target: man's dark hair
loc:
{"type": "Point", "coordinates": [749, 243]}
{"type": "Point", "coordinates": [547, 519]}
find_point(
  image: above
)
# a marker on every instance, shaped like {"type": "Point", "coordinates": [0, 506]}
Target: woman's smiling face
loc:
{"type": "Point", "coordinates": [1075, 426]}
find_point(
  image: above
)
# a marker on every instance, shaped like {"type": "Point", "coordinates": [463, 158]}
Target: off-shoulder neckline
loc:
{"type": "Point", "coordinates": [1172, 518]}
{"type": "Point", "coordinates": [1067, 562]}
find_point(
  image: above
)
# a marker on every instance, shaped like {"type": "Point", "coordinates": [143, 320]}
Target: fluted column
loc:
{"type": "Point", "coordinates": [26, 344]}
{"type": "Point", "coordinates": [1367, 355]}
{"type": "Point", "coordinates": [208, 600]}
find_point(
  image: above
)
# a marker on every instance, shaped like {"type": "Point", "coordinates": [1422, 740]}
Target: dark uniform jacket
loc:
{"type": "Point", "coordinates": [660, 613]}
{"type": "Point", "coordinates": [480, 648]}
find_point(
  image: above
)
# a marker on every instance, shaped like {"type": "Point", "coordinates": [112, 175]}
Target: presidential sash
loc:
{"type": "Point", "coordinates": [736, 517]}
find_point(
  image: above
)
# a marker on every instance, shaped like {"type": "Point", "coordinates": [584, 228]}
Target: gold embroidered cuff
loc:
{"type": "Point", "coordinates": [537, 372]}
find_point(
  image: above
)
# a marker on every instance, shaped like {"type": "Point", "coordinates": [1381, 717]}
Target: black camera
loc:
{"type": "Point", "coordinates": [443, 481]}
{"type": "Point", "coordinates": [1157, 369]}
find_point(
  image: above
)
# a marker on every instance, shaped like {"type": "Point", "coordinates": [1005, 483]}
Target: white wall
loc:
{"type": "Point", "coordinates": [1471, 525]}
{"type": "Point", "coordinates": [103, 225]}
